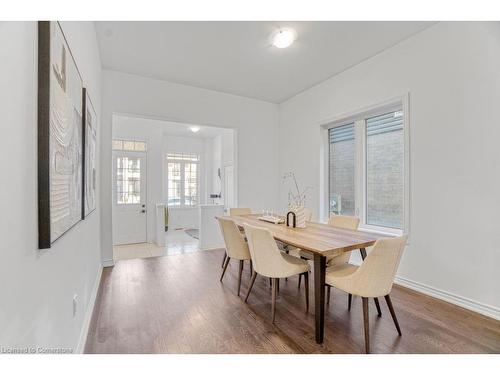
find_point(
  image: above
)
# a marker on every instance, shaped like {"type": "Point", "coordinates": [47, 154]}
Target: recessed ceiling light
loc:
{"type": "Point", "coordinates": [283, 38]}
{"type": "Point", "coordinates": [194, 129]}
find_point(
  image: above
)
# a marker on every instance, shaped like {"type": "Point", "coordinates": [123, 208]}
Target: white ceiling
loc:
{"type": "Point", "coordinates": [237, 58]}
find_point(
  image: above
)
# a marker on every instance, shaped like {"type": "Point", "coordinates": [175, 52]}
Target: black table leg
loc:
{"type": "Point", "coordinates": [319, 296]}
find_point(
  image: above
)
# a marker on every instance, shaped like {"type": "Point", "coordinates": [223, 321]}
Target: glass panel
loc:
{"type": "Point", "coordinates": [342, 167]}
{"type": "Point", "coordinates": [128, 145]}
{"type": "Point", "coordinates": [140, 146]}
{"type": "Point", "coordinates": [182, 156]}
{"type": "Point", "coordinates": [128, 180]}
{"type": "Point", "coordinates": [117, 145]}
{"type": "Point", "coordinates": [384, 170]}
{"type": "Point", "coordinates": [190, 184]}
{"type": "Point", "coordinates": [174, 184]}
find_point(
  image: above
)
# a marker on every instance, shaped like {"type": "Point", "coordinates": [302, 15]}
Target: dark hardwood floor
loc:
{"type": "Point", "coordinates": [176, 304]}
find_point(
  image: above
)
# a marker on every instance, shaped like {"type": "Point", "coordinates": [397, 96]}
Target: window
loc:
{"type": "Point", "coordinates": [182, 179]}
{"type": "Point", "coordinates": [367, 169]}
{"type": "Point", "coordinates": [342, 165]}
{"type": "Point", "coordinates": [128, 180]}
{"type": "Point", "coordinates": [384, 170]}
{"type": "Point", "coordinates": [126, 145]}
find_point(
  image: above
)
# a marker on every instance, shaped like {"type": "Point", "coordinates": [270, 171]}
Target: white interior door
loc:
{"type": "Point", "coordinates": [229, 186]}
{"type": "Point", "coordinates": [129, 197]}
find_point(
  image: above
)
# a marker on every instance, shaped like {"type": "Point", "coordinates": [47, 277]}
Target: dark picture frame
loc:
{"type": "Point", "coordinates": [89, 168]}
{"type": "Point", "coordinates": [60, 145]}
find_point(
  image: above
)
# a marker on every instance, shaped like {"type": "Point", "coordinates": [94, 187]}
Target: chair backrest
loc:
{"type": "Point", "coordinates": [344, 221]}
{"type": "Point", "coordinates": [239, 211]}
{"type": "Point", "coordinates": [266, 257]}
{"type": "Point", "coordinates": [236, 246]}
{"type": "Point", "coordinates": [375, 276]}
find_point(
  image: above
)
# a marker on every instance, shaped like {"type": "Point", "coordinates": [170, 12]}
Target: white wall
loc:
{"type": "Point", "coordinates": [37, 286]}
{"type": "Point", "coordinates": [451, 72]}
{"type": "Point", "coordinates": [255, 122]}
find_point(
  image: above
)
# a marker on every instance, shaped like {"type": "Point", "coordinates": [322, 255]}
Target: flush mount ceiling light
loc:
{"type": "Point", "coordinates": [194, 129]}
{"type": "Point", "coordinates": [283, 38]}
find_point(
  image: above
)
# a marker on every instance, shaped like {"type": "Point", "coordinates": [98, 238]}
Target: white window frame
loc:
{"type": "Point", "coordinates": [359, 119]}
{"type": "Point", "coordinates": [182, 170]}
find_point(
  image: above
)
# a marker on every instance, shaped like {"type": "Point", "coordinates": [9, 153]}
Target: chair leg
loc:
{"type": "Point", "coordinates": [251, 267]}
{"type": "Point", "coordinates": [251, 285]}
{"type": "Point", "coordinates": [277, 286]}
{"type": "Point", "coordinates": [349, 302]}
{"type": "Point", "coordinates": [367, 324]}
{"type": "Point", "coordinates": [271, 282]}
{"type": "Point", "coordinates": [306, 285]}
{"type": "Point", "coordinates": [225, 267]}
{"type": "Point", "coordinates": [300, 278]}
{"type": "Point", "coordinates": [273, 301]}
{"type": "Point", "coordinates": [240, 271]}
{"type": "Point", "coordinates": [223, 259]}
{"type": "Point", "coordinates": [328, 289]}
{"type": "Point", "coordinates": [393, 313]}
{"type": "Point", "coordinates": [377, 305]}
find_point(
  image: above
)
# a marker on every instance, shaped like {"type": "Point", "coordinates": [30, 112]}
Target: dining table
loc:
{"type": "Point", "coordinates": [319, 241]}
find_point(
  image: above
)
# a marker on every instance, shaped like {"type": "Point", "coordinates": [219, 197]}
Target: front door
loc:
{"type": "Point", "coordinates": [129, 197]}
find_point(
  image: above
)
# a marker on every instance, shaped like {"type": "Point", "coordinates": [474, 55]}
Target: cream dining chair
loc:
{"type": "Point", "coordinates": [269, 261]}
{"type": "Point", "coordinates": [344, 222]}
{"type": "Point", "coordinates": [374, 278]}
{"type": "Point", "coordinates": [235, 212]}
{"type": "Point", "coordinates": [236, 247]}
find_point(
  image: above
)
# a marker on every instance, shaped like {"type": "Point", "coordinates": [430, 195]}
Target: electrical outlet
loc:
{"type": "Point", "coordinates": [75, 304]}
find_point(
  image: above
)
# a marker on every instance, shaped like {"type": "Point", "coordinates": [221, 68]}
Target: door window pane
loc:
{"type": "Point", "coordinates": [128, 180]}
{"type": "Point", "coordinates": [385, 170]}
{"type": "Point", "coordinates": [342, 168]}
{"type": "Point", "coordinates": [174, 184]}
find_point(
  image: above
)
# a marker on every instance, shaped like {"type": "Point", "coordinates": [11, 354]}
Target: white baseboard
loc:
{"type": "Point", "coordinates": [481, 308]}
{"type": "Point", "coordinates": [466, 303]}
{"type": "Point", "coordinates": [88, 315]}
{"type": "Point", "coordinates": [108, 262]}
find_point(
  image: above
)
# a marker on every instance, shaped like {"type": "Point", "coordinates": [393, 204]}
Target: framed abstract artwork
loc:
{"type": "Point", "coordinates": [89, 132]}
{"type": "Point", "coordinates": [60, 148]}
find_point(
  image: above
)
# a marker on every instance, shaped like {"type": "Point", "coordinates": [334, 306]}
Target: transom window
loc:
{"type": "Point", "coordinates": [128, 145]}
{"type": "Point", "coordinates": [182, 179]}
{"type": "Point", "coordinates": [367, 167]}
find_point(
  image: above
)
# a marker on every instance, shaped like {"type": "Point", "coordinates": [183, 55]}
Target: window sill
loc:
{"type": "Point", "coordinates": [392, 233]}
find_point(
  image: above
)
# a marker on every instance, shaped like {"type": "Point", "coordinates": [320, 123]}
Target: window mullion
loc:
{"type": "Point", "coordinates": [359, 182]}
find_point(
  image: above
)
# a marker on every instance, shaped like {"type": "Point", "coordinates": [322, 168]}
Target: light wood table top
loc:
{"type": "Point", "coordinates": [316, 238]}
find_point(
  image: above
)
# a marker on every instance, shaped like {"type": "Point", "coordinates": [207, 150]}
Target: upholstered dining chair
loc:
{"type": "Point", "coordinates": [374, 278]}
{"type": "Point", "coordinates": [236, 247]}
{"type": "Point", "coordinates": [235, 212]}
{"type": "Point", "coordinates": [269, 261]}
{"type": "Point", "coordinates": [344, 222]}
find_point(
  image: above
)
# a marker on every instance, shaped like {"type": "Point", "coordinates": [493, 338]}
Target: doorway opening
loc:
{"type": "Point", "coordinates": [169, 178]}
